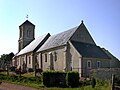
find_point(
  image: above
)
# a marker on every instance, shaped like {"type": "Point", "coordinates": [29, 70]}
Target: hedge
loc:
{"type": "Point", "coordinates": [54, 79]}
{"type": "Point", "coordinates": [60, 79]}
{"type": "Point", "coordinates": [72, 79]}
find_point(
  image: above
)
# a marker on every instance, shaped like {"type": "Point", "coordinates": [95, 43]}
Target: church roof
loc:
{"type": "Point", "coordinates": [109, 54]}
{"type": "Point", "coordinates": [26, 23]}
{"type": "Point", "coordinates": [58, 39]}
{"type": "Point", "coordinates": [89, 50]}
{"type": "Point", "coordinates": [35, 44]}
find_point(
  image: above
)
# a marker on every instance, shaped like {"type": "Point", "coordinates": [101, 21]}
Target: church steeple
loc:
{"type": "Point", "coordinates": [26, 34]}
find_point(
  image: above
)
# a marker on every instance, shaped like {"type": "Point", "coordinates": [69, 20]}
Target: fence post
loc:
{"type": "Point", "coordinates": [113, 85]}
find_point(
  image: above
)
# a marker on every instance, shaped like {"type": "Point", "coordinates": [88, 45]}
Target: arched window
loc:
{"type": "Point", "coordinates": [89, 64]}
{"type": "Point", "coordinates": [20, 33]}
{"type": "Point", "coordinates": [55, 55]}
{"type": "Point", "coordinates": [29, 60]}
{"type": "Point", "coordinates": [98, 64]}
{"type": "Point", "coordinates": [51, 61]}
{"type": "Point", "coordinates": [28, 33]}
{"type": "Point", "coordinates": [45, 57]}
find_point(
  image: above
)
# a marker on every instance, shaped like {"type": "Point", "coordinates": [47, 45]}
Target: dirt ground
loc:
{"type": "Point", "coordinates": [8, 86]}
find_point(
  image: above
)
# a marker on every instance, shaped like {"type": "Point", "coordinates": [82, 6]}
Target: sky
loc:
{"type": "Point", "coordinates": [101, 17]}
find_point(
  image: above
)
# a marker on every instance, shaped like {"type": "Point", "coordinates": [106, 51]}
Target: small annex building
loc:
{"type": "Point", "coordinates": [71, 50]}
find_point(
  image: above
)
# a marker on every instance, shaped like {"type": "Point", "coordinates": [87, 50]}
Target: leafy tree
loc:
{"type": "Point", "coordinates": [6, 59]}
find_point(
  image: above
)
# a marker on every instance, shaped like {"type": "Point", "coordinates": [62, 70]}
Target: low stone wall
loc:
{"type": "Point", "coordinates": [105, 73]}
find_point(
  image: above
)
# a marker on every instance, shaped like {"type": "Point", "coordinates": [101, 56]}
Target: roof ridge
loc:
{"type": "Point", "coordinates": [27, 21]}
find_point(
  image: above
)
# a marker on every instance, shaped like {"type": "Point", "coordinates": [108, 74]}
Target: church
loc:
{"type": "Point", "coordinates": [71, 50]}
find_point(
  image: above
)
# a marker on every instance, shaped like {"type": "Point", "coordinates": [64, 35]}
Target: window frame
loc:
{"type": "Point", "coordinates": [98, 65]}
{"type": "Point", "coordinates": [29, 59]}
{"type": "Point", "coordinates": [89, 64]}
{"type": "Point", "coordinates": [45, 57]}
{"type": "Point", "coordinates": [55, 56]}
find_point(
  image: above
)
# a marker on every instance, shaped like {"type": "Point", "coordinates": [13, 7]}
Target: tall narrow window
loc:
{"type": "Point", "coordinates": [71, 66]}
{"type": "Point", "coordinates": [89, 64]}
{"type": "Point", "coordinates": [51, 61]}
{"type": "Point", "coordinates": [45, 57]}
{"type": "Point", "coordinates": [98, 64]}
{"type": "Point", "coordinates": [55, 54]}
{"type": "Point", "coordinates": [20, 33]}
{"type": "Point", "coordinates": [28, 33]}
{"type": "Point", "coordinates": [29, 60]}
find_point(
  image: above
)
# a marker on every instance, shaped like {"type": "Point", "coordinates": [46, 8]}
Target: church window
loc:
{"type": "Point", "coordinates": [20, 33]}
{"type": "Point", "coordinates": [89, 64]}
{"type": "Point", "coordinates": [98, 64]}
{"type": "Point", "coordinates": [55, 54]}
{"type": "Point", "coordinates": [45, 57]}
{"type": "Point", "coordinates": [51, 61]}
{"type": "Point", "coordinates": [71, 66]}
{"type": "Point", "coordinates": [28, 33]}
{"type": "Point", "coordinates": [18, 61]}
{"type": "Point", "coordinates": [29, 58]}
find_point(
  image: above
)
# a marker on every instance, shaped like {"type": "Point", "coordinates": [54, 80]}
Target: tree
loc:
{"type": "Point", "coordinates": [6, 59]}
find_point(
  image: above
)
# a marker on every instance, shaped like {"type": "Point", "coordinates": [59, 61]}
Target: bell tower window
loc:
{"type": "Point", "coordinates": [20, 32]}
{"type": "Point", "coordinates": [28, 33]}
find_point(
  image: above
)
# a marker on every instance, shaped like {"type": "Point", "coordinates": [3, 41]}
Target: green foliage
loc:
{"type": "Point", "coordinates": [117, 81]}
{"type": "Point", "coordinates": [93, 82]}
{"type": "Point", "coordinates": [39, 70]}
{"type": "Point", "coordinates": [72, 79]}
{"type": "Point", "coordinates": [30, 70]}
{"type": "Point", "coordinates": [17, 78]}
{"type": "Point", "coordinates": [6, 59]}
{"type": "Point", "coordinates": [101, 82]}
{"type": "Point", "coordinates": [54, 79]}
{"type": "Point", "coordinates": [29, 80]}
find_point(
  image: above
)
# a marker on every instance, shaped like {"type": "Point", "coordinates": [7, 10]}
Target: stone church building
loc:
{"type": "Point", "coordinates": [71, 50]}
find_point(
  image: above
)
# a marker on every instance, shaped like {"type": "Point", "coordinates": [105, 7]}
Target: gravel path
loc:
{"type": "Point", "coordinates": [8, 86]}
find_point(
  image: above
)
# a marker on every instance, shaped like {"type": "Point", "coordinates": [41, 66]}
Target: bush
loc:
{"type": "Point", "coordinates": [39, 70]}
{"type": "Point", "coordinates": [30, 70]}
{"type": "Point", "coordinates": [12, 68]}
{"type": "Point", "coordinates": [72, 79]}
{"type": "Point", "coordinates": [93, 82]}
{"type": "Point", "coordinates": [85, 82]}
{"type": "Point", "coordinates": [18, 71]}
{"type": "Point", "coordinates": [54, 79]}
{"type": "Point", "coordinates": [2, 70]}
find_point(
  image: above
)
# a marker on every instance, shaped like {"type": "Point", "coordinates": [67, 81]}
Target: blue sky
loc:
{"type": "Point", "coordinates": [101, 17]}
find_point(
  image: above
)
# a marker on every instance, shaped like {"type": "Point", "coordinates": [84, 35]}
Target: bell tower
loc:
{"type": "Point", "coordinates": [26, 34]}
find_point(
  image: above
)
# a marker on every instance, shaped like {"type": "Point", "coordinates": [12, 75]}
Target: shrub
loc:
{"type": "Point", "coordinates": [17, 71]}
{"type": "Point", "coordinates": [54, 79]}
{"type": "Point", "coordinates": [72, 79]}
{"type": "Point", "coordinates": [93, 82]}
{"type": "Point", "coordinates": [46, 78]}
{"type": "Point", "coordinates": [1, 70]}
{"type": "Point", "coordinates": [12, 68]}
{"type": "Point", "coordinates": [39, 70]}
{"type": "Point", "coordinates": [30, 70]}
{"type": "Point", "coordinates": [85, 82]}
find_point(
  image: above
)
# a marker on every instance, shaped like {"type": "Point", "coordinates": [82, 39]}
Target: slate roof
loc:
{"type": "Point", "coordinates": [35, 44]}
{"type": "Point", "coordinates": [26, 22]}
{"type": "Point", "coordinates": [58, 39]}
{"type": "Point", "coordinates": [89, 50]}
{"type": "Point", "coordinates": [109, 54]}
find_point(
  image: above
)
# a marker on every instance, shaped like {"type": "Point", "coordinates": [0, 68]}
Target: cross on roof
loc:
{"type": "Point", "coordinates": [27, 17]}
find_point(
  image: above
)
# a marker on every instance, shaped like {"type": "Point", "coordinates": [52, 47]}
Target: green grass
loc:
{"type": "Point", "coordinates": [100, 85]}
{"type": "Point", "coordinates": [81, 88]}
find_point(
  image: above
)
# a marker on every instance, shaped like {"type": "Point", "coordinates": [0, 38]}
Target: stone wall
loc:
{"type": "Point", "coordinates": [105, 73]}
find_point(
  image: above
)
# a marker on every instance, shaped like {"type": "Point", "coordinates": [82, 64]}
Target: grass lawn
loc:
{"type": "Point", "coordinates": [40, 86]}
